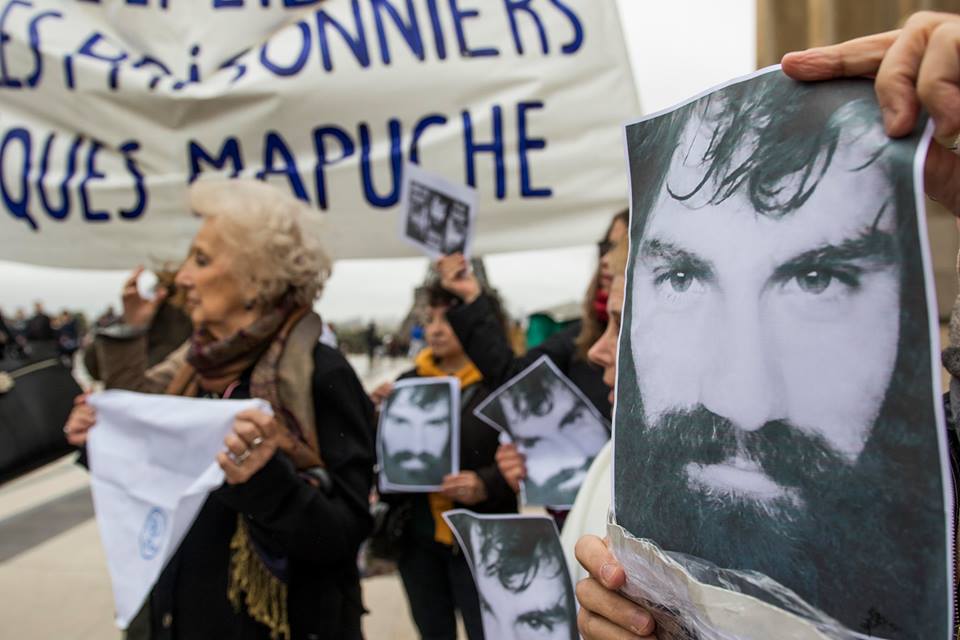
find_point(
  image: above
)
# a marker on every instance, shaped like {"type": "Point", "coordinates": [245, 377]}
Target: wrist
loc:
{"type": "Point", "coordinates": [481, 489]}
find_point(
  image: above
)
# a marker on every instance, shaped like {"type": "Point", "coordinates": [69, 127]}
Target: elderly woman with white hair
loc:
{"type": "Point", "coordinates": [273, 551]}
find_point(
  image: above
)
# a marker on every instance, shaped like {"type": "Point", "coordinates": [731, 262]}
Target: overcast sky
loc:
{"type": "Point", "coordinates": [677, 49]}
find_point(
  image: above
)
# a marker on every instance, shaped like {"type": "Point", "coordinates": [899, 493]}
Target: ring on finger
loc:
{"type": "Point", "coordinates": [256, 442]}
{"type": "Point", "coordinates": [239, 458]}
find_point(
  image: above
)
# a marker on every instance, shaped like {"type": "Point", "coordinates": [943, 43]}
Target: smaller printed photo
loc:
{"type": "Point", "coordinates": [418, 435]}
{"type": "Point", "coordinates": [436, 216]}
{"type": "Point", "coordinates": [521, 575]}
{"type": "Point", "coordinates": [554, 425]}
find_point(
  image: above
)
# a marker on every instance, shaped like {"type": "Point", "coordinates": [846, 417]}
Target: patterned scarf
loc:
{"type": "Point", "coordinates": [212, 366]}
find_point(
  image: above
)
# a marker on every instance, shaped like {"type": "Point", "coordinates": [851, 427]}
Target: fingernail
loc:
{"type": "Point", "coordinates": [607, 571]}
{"type": "Point", "coordinates": [889, 117]}
{"type": "Point", "coordinates": [640, 623]}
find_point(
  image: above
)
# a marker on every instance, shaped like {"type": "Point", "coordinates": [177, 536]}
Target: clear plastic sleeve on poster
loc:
{"type": "Point", "coordinates": [691, 599]}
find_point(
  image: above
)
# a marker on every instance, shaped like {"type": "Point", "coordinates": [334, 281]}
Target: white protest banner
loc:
{"type": "Point", "coordinates": [152, 465]}
{"type": "Point", "coordinates": [111, 109]}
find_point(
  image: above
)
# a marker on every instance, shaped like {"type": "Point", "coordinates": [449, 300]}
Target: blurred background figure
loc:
{"type": "Point", "coordinates": [107, 318]}
{"type": "Point", "coordinates": [372, 342]}
{"type": "Point", "coordinates": [39, 330]}
{"type": "Point", "coordinates": [6, 337]}
{"type": "Point", "coordinates": [66, 326]}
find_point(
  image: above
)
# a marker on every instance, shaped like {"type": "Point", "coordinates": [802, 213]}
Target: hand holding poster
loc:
{"type": "Point", "coordinates": [521, 575]}
{"type": "Point", "coordinates": [152, 465]}
{"type": "Point", "coordinates": [418, 438]}
{"type": "Point", "coordinates": [778, 430]}
{"type": "Point", "coordinates": [555, 427]}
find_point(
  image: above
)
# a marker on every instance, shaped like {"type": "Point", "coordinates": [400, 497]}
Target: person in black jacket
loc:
{"type": "Point", "coordinates": [272, 553]}
{"type": "Point", "coordinates": [6, 336]}
{"type": "Point", "coordinates": [476, 327]}
{"type": "Point", "coordinates": [39, 327]}
{"type": "Point", "coordinates": [435, 574]}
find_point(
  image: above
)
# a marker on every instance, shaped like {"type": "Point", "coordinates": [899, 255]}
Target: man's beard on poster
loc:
{"type": "Point", "coordinates": [428, 464]}
{"type": "Point", "coordinates": [564, 482]}
{"type": "Point", "coordinates": [737, 531]}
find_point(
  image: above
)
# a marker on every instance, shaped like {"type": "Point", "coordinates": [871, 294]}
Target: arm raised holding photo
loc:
{"type": "Point", "coordinates": [479, 325]}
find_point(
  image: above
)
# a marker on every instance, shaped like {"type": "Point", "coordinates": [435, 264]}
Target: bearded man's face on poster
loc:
{"type": "Point", "coordinates": [770, 380]}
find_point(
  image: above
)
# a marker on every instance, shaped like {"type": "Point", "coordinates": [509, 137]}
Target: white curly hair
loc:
{"type": "Point", "coordinates": [276, 242]}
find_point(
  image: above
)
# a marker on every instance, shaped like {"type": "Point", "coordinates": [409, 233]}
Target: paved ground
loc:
{"type": "Point", "coordinates": [53, 577]}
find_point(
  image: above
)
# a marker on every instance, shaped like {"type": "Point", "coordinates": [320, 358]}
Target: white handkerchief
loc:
{"type": "Point", "coordinates": [152, 465]}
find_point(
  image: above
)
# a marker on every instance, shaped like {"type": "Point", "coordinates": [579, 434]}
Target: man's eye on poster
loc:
{"type": "Point", "coordinates": [436, 216]}
{"type": "Point", "coordinates": [556, 428]}
{"type": "Point", "coordinates": [418, 435]}
{"type": "Point", "coordinates": [777, 434]}
{"type": "Point", "coordinates": [521, 575]}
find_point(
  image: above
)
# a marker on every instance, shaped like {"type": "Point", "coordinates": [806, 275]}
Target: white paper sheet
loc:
{"type": "Point", "coordinates": [152, 464]}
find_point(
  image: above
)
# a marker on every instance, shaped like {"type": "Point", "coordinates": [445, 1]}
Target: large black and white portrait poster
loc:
{"type": "Point", "coordinates": [554, 425]}
{"type": "Point", "coordinates": [418, 437]}
{"type": "Point", "coordinates": [521, 575]}
{"type": "Point", "coordinates": [778, 429]}
{"type": "Point", "coordinates": [436, 216]}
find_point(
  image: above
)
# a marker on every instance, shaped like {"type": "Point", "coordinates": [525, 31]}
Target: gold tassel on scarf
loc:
{"type": "Point", "coordinates": [250, 583]}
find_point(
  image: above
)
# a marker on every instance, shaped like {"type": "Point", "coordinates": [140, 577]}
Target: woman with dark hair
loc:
{"type": "Point", "coordinates": [475, 327]}
{"type": "Point", "coordinates": [435, 575]}
{"type": "Point", "coordinates": [272, 552]}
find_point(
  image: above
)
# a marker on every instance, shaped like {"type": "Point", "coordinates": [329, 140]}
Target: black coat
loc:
{"type": "Point", "coordinates": [482, 337]}
{"type": "Point", "coordinates": [39, 328]}
{"type": "Point", "coordinates": [317, 533]}
{"type": "Point", "coordinates": [478, 446]}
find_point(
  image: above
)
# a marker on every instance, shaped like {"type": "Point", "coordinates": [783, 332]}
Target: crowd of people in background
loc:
{"type": "Point", "coordinates": [23, 336]}
{"type": "Point", "coordinates": [39, 335]}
